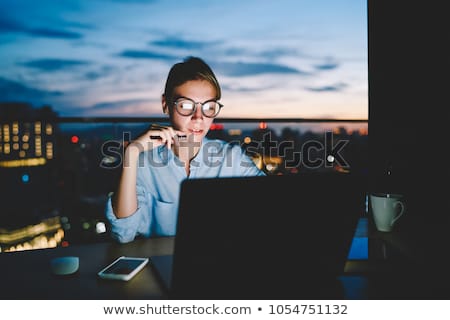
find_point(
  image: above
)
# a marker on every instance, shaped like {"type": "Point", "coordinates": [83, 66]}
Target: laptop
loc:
{"type": "Point", "coordinates": [264, 237]}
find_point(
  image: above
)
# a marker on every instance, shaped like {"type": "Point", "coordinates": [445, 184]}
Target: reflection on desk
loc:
{"type": "Point", "coordinates": [393, 270]}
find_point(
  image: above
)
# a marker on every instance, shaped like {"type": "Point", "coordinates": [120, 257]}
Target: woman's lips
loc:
{"type": "Point", "coordinates": [195, 131]}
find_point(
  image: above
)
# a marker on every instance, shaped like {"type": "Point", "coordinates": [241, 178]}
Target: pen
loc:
{"type": "Point", "coordinates": [180, 137]}
{"type": "Point", "coordinates": [157, 126]}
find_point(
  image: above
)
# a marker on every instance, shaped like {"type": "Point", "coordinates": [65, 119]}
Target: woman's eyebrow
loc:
{"type": "Point", "coordinates": [176, 97]}
{"type": "Point", "coordinates": [183, 97]}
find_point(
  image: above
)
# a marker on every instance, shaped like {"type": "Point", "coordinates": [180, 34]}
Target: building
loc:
{"type": "Point", "coordinates": [28, 145]}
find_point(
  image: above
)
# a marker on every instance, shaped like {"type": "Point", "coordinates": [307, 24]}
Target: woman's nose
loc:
{"type": "Point", "coordinates": [198, 111]}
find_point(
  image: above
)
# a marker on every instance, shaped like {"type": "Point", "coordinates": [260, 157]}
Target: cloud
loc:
{"type": "Point", "coordinates": [120, 108]}
{"type": "Point", "coordinates": [235, 51]}
{"type": "Point", "coordinates": [104, 71]}
{"type": "Point", "coordinates": [51, 65]}
{"type": "Point", "coordinates": [236, 87]}
{"type": "Point", "coordinates": [16, 91]}
{"type": "Point", "coordinates": [54, 33]}
{"type": "Point", "coordinates": [134, 1]}
{"type": "Point", "coordinates": [80, 25]}
{"type": "Point", "coordinates": [93, 75]}
{"type": "Point", "coordinates": [327, 66]}
{"type": "Point", "coordinates": [330, 88]}
{"type": "Point", "coordinates": [271, 54]}
{"type": "Point", "coordinates": [178, 43]}
{"type": "Point", "coordinates": [141, 54]}
{"type": "Point", "coordinates": [249, 69]}
{"type": "Point", "coordinates": [10, 26]}
{"type": "Point", "coordinates": [116, 104]}
{"type": "Point", "coordinates": [276, 53]}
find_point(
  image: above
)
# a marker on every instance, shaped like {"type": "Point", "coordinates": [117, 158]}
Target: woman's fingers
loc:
{"type": "Point", "coordinates": [165, 134]}
{"type": "Point", "coordinates": [180, 134]}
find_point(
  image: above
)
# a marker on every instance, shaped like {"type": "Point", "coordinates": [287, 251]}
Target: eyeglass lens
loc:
{"type": "Point", "coordinates": [187, 107]}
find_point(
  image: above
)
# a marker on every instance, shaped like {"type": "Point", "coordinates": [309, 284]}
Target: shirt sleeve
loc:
{"type": "Point", "coordinates": [139, 223]}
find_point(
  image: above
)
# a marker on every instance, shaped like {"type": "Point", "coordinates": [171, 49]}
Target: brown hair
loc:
{"type": "Point", "coordinates": [192, 68]}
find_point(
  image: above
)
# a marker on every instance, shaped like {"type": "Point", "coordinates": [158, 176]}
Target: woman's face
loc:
{"type": "Point", "coordinates": [196, 126]}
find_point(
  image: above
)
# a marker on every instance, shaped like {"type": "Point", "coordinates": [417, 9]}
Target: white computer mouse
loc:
{"type": "Point", "coordinates": [64, 265]}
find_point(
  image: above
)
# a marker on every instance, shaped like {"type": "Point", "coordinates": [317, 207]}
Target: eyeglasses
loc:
{"type": "Point", "coordinates": [186, 107]}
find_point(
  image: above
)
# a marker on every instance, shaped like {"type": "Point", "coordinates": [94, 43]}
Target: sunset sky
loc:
{"type": "Point", "coordinates": [282, 59]}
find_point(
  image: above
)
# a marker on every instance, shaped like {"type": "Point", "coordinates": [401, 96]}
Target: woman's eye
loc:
{"type": "Point", "coordinates": [187, 106]}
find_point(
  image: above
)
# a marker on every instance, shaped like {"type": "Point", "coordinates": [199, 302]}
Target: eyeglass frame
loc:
{"type": "Point", "coordinates": [174, 103]}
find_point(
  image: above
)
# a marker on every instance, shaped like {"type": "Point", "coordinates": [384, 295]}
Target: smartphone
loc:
{"type": "Point", "coordinates": [123, 268]}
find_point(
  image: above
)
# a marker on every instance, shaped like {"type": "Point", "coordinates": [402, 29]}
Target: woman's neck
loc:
{"type": "Point", "coordinates": [186, 151]}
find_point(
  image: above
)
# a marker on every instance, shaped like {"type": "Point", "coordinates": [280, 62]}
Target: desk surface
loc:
{"type": "Point", "coordinates": [397, 268]}
{"type": "Point", "coordinates": [27, 274]}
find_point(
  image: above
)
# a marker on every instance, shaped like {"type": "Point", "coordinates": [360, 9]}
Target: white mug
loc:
{"type": "Point", "coordinates": [387, 208]}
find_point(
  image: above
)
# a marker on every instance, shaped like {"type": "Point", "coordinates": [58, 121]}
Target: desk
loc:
{"type": "Point", "coordinates": [27, 274]}
{"type": "Point", "coordinates": [394, 271]}
{"type": "Point", "coordinates": [409, 263]}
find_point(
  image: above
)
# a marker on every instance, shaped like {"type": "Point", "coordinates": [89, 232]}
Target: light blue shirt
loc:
{"type": "Point", "coordinates": [159, 177]}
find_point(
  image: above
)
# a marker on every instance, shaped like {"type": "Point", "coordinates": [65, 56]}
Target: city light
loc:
{"type": "Point", "coordinates": [25, 178]}
{"type": "Point", "coordinates": [74, 139]}
{"type": "Point", "coordinates": [100, 227]}
{"type": "Point", "coordinates": [216, 126]}
{"type": "Point", "coordinates": [30, 162]}
{"type": "Point", "coordinates": [262, 125]}
{"type": "Point", "coordinates": [46, 234]}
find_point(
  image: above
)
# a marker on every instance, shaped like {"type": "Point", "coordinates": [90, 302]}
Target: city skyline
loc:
{"type": "Point", "coordinates": [284, 59]}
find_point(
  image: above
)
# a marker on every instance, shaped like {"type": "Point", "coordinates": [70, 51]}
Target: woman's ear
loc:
{"type": "Point", "coordinates": [164, 104]}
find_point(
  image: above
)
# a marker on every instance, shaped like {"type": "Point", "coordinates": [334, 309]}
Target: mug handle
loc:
{"type": "Point", "coordinates": [402, 210]}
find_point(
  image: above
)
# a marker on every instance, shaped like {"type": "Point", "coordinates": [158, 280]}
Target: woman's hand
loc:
{"type": "Point", "coordinates": [158, 135]}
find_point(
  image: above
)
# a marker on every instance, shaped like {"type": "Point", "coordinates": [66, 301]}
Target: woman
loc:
{"type": "Point", "coordinates": [155, 164]}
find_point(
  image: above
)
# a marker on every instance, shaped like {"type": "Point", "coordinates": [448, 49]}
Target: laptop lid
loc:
{"type": "Point", "coordinates": [264, 237]}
